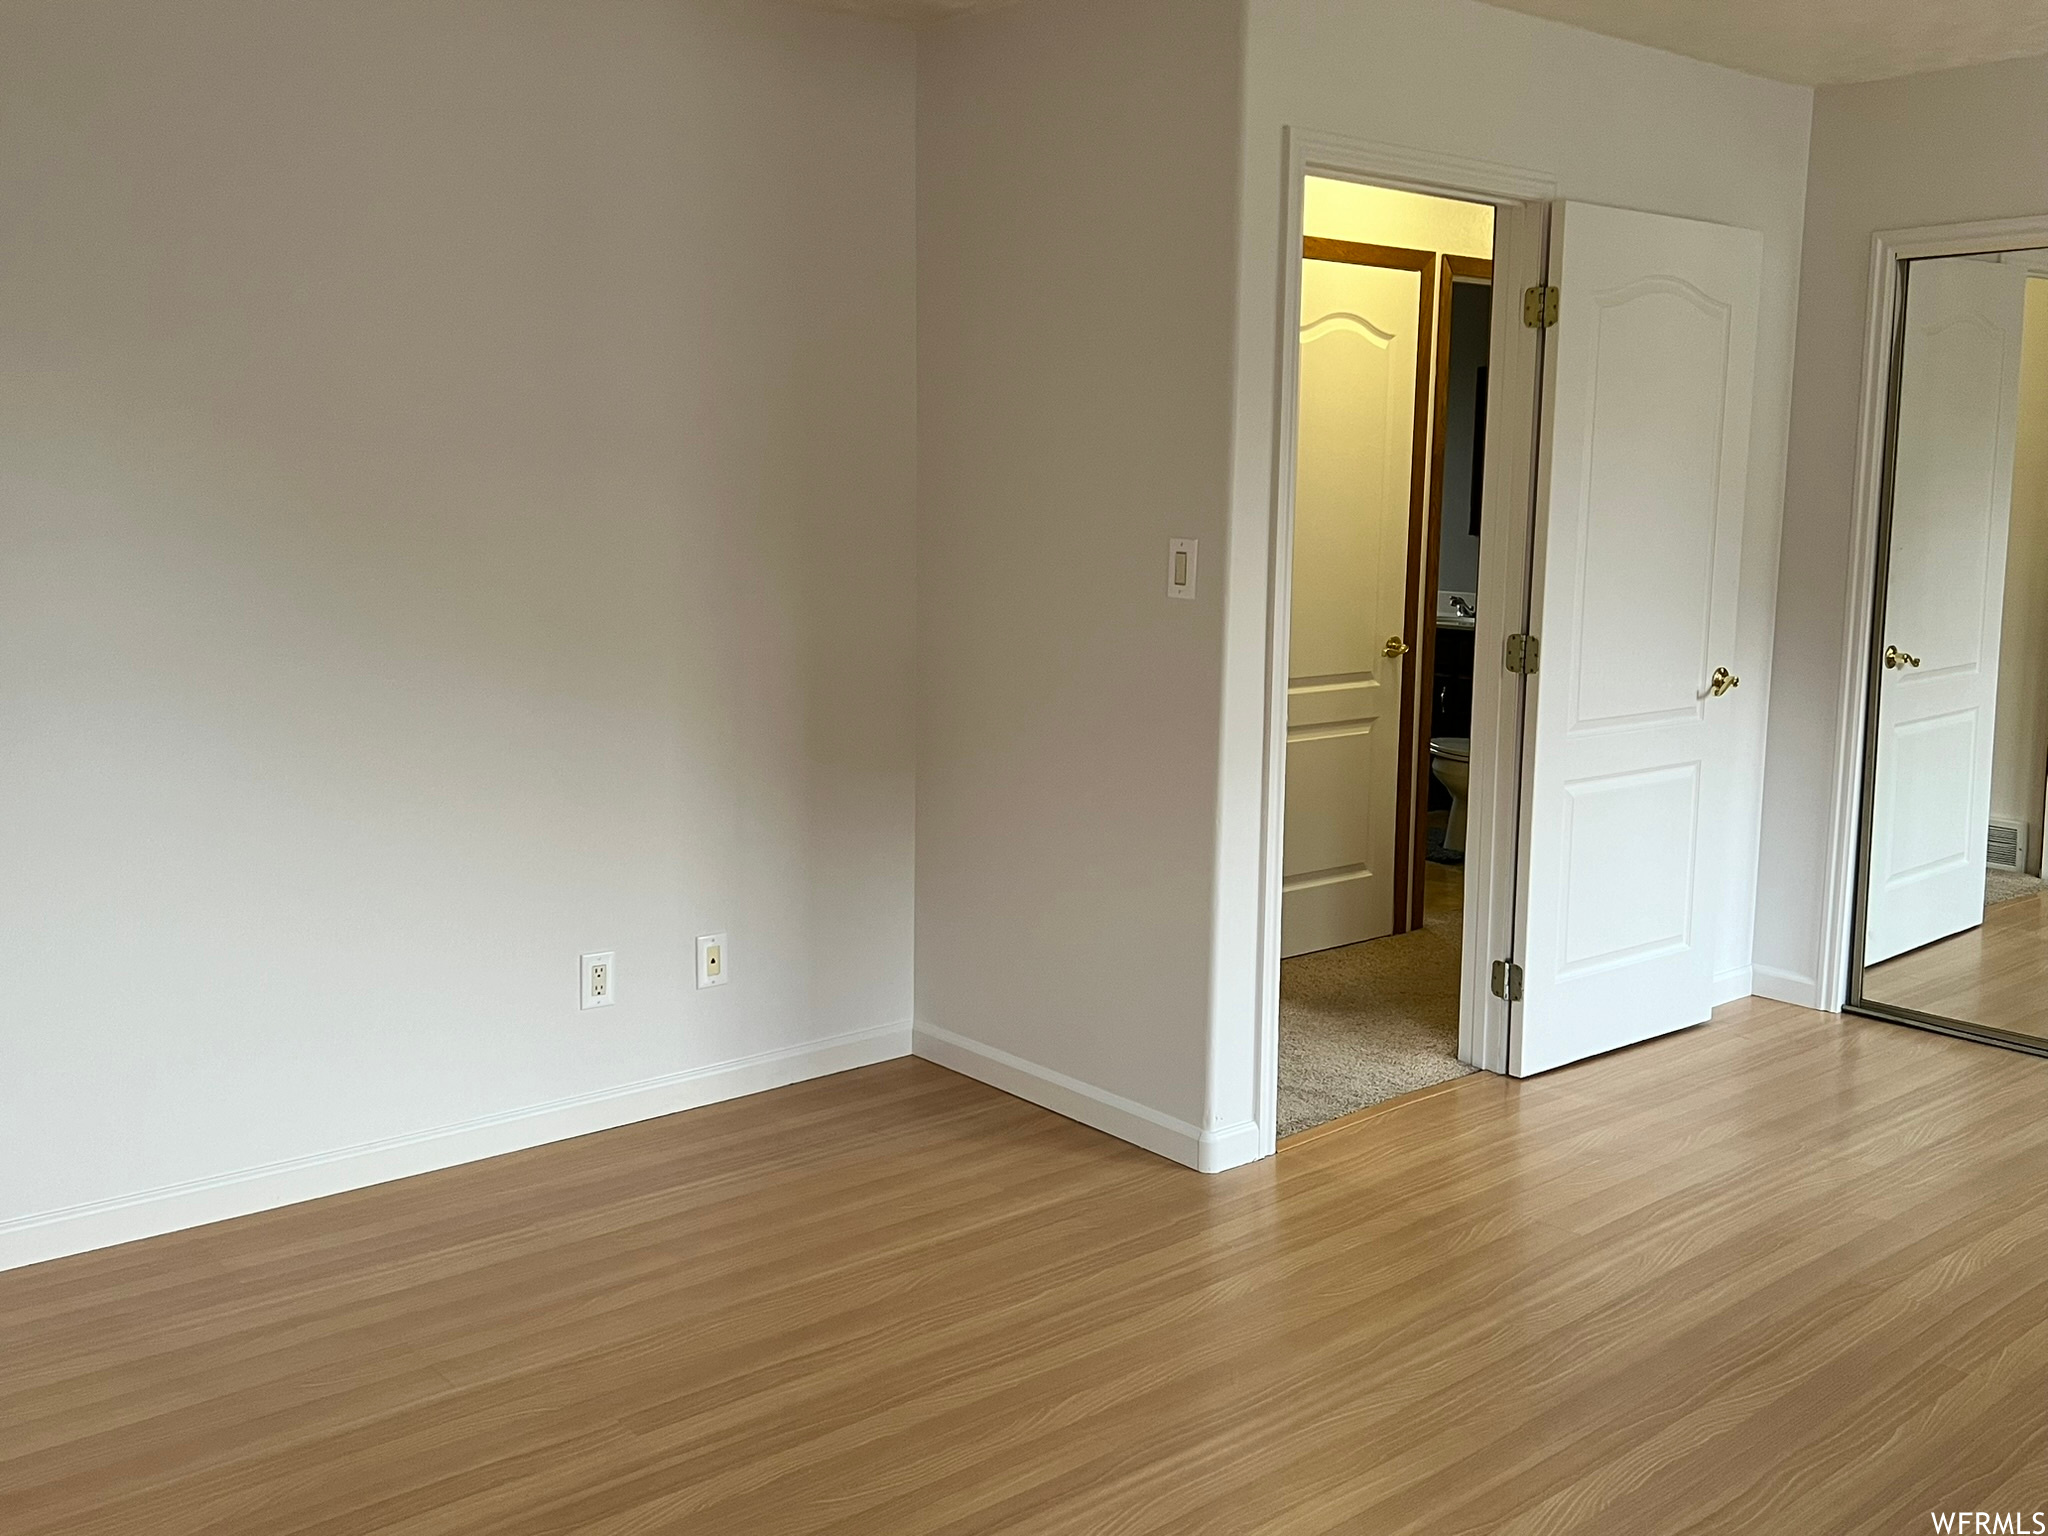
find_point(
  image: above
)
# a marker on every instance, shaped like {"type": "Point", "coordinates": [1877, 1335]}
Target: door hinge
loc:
{"type": "Point", "coordinates": [1507, 980]}
{"type": "Point", "coordinates": [1523, 651]}
{"type": "Point", "coordinates": [1539, 307]}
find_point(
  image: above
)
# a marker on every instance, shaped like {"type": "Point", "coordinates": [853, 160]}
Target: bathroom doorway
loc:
{"type": "Point", "coordinates": [1395, 329]}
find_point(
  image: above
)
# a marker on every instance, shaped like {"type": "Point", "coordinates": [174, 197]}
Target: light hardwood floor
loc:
{"type": "Point", "coordinates": [1995, 974]}
{"type": "Point", "coordinates": [1787, 1273]}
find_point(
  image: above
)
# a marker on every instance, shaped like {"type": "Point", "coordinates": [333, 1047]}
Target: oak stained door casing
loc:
{"type": "Point", "coordinates": [1360, 348]}
{"type": "Point", "coordinates": [1636, 577]}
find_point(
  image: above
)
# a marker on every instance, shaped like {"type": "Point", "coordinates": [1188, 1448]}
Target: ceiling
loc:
{"type": "Point", "coordinates": [1809, 42]}
{"type": "Point", "coordinates": [1817, 42]}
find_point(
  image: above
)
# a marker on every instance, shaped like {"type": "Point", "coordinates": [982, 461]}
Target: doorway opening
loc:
{"type": "Point", "coordinates": [1396, 321]}
{"type": "Point", "coordinates": [1609, 752]}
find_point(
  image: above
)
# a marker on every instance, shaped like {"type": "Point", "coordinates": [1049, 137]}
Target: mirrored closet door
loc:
{"type": "Point", "coordinates": [1952, 924]}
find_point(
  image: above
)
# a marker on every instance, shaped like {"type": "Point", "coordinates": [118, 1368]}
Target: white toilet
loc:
{"type": "Point", "coordinates": [1450, 759]}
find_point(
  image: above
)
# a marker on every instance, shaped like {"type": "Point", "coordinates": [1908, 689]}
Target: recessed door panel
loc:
{"type": "Point", "coordinates": [1652, 481]}
{"type": "Point", "coordinates": [1953, 480]}
{"type": "Point", "coordinates": [1935, 764]}
{"type": "Point", "coordinates": [1337, 766]}
{"type": "Point", "coordinates": [1630, 850]}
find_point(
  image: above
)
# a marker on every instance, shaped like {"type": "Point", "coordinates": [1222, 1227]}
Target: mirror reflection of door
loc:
{"type": "Point", "coordinates": [1954, 914]}
{"type": "Point", "coordinates": [1364, 310]}
{"type": "Point", "coordinates": [1958, 406]}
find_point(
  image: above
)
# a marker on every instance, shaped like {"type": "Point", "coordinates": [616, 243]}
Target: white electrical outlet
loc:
{"type": "Point", "coordinates": [600, 980]}
{"type": "Point", "coordinates": [711, 960]}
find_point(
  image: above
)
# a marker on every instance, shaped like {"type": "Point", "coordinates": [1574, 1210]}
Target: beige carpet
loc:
{"type": "Point", "coordinates": [1999, 885]}
{"type": "Point", "coordinates": [1369, 1021]}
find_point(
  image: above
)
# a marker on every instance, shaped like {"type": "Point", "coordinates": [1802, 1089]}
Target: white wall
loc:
{"type": "Point", "coordinates": [456, 500]}
{"type": "Point", "coordinates": [1611, 123]}
{"type": "Point", "coordinates": [456, 511]}
{"type": "Point", "coordinates": [1077, 172]}
{"type": "Point", "coordinates": [1349, 210]}
{"type": "Point", "coordinates": [1953, 147]}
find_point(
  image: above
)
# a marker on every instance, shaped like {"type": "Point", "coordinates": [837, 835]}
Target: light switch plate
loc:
{"type": "Point", "coordinates": [1180, 568]}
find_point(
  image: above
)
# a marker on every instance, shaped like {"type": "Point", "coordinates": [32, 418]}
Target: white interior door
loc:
{"type": "Point", "coordinates": [1638, 553]}
{"type": "Point", "coordinates": [1959, 381]}
{"type": "Point", "coordinates": [1360, 346]}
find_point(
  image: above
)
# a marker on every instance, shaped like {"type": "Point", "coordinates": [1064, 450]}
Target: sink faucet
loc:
{"type": "Point", "coordinates": [1463, 609]}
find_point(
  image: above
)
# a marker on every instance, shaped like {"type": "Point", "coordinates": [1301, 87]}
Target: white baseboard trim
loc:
{"type": "Point", "coordinates": [1230, 1147]}
{"type": "Point", "coordinates": [1786, 986]}
{"type": "Point", "coordinates": [1731, 985]}
{"type": "Point", "coordinates": [103, 1223]}
{"type": "Point", "coordinates": [1125, 1119]}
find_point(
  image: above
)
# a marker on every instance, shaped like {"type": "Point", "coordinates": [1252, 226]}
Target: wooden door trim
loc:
{"type": "Point", "coordinates": [1407, 873]}
{"type": "Point", "coordinates": [1471, 269]}
{"type": "Point", "coordinates": [1363, 254]}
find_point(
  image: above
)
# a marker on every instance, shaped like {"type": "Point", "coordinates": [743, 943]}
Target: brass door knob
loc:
{"type": "Point", "coordinates": [1722, 681]}
{"type": "Point", "coordinates": [1395, 646]}
{"type": "Point", "coordinates": [1895, 658]}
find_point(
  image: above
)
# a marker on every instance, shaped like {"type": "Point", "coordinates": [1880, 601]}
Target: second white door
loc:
{"type": "Point", "coordinates": [1651, 367]}
{"type": "Point", "coordinates": [1360, 347]}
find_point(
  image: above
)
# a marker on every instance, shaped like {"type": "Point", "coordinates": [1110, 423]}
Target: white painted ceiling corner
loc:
{"type": "Point", "coordinates": [1816, 42]}
{"type": "Point", "coordinates": [1805, 42]}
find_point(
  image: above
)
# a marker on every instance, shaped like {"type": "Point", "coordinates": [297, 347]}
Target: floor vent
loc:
{"type": "Point", "coordinates": [2007, 847]}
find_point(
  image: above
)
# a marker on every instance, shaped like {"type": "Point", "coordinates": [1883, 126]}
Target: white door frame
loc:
{"type": "Point", "coordinates": [1888, 248]}
{"type": "Point", "coordinates": [1508, 512]}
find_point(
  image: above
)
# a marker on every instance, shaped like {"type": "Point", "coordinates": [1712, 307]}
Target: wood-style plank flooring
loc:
{"type": "Point", "coordinates": [1995, 974]}
{"type": "Point", "coordinates": [1785, 1273]}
